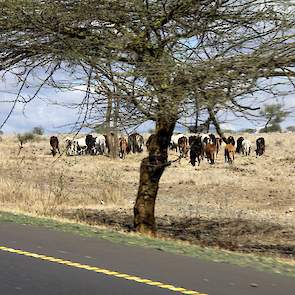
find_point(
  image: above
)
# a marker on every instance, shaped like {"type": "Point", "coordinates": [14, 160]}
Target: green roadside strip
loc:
{"type": "Point", "coordinates": [258, 262]}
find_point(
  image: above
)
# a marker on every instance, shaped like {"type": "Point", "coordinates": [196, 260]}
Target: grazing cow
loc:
{"type": "Point", "coordinates": [75, 147]}
{"type": "Point", "coordinates": [196, 149]}
{"type": "Point", "coordinates": [212, 138]}
{"type": "Point", "coordinates": [135, 143]}
{"type": "Point", "coordinates": [100, 144]}
{"type": "Point", "coordinates": [246, 147]}
{"type": "Point", "coordinates": [123, 146]}
{"type": "Point", "coordinates": [71, 147]}
{"type": "Point", "coordinates": [183, 146]}
{"type": "Point", "coordinates": [239, 144]}
{"type": "Point", "coordinates": [54, 145]}
{"type": "Point", "coordinates": [210, 152]}
{"type": "Point", "coordinates": [231, 140]}
{"type": "Point", "coordinates": [229, 153]}
{"type": "Point", "coordinates": [260, 146]}
{"type": "Point", "coordinates": [174, 141]}
{"type": "Point", "coordinates": [81, 145]}
{"type": "Point", "coordinates": [192, 138]}
{"type": "Point", "coordinates": [90, 143]}
{"type": "Point", "coordinates": [205, 139]}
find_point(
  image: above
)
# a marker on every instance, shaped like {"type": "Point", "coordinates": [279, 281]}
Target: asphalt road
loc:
{"type": "Point", "coordinates": [96, 260]}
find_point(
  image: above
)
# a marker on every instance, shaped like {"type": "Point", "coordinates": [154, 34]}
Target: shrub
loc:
{"type": "Point", "coordinates": [291, 128]}
{"type": "Point", "coordinates": [25, 137]}
{"type": "Point", "coordinates": [272, 128]}
{"type": "Point", "coordinates": [248, 130]}
{"type": "Point", "coordinates": [38, 130]}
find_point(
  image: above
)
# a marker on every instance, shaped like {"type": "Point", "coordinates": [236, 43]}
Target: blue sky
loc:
{"type": "Point", "coordinates": [48, 112]}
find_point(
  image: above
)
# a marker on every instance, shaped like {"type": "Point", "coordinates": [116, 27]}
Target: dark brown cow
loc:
{"type": "Point", "coordinates": [196, 149]}
{"type": "Point", "coordinates": [54, 145]}
{"type": "Point", "coordinates": [231, 140]}
{"type": "Point", "coordinates": [260, 146]}
{"type": "Point", "coordinates": [183, 146]}
{"type": "Point", "coordinates": [239, 144]}
{"type": "Point", "coordinates": [135, 143]}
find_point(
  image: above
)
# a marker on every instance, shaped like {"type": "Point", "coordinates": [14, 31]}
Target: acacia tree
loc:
{"type": "Point", "coordinates": [274, 115]}
{"type": "Point", "coordinates": [156, 54]}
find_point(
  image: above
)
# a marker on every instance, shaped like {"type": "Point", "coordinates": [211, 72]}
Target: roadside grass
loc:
{"type": "Point", "coordinates": [258, 262]}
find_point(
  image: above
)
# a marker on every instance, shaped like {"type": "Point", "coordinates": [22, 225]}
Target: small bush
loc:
{"type": "Point", "coordinates": [272, 128]}
{"type": "Point", "coordinates": [38, 130]}
{"type": "Point", "coordinates": [26, 137]}
{"type": "Point", "coordinates": [248, 130]}
{"type": "Point", "coordinates": [291, 128]}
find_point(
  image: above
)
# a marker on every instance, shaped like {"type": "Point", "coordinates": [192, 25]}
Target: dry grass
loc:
{"type": "Point", "coordinates": [249, 202]}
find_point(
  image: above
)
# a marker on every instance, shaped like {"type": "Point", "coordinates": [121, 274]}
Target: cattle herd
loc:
{"type": "Point", "coordinates": [202, 146]}
{"type": "Point", "coordinates": [99, 145]}
{"type": "Point", "coordinates": [197, 147]}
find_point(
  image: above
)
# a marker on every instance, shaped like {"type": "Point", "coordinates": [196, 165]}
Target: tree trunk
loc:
{"type": "Point", "coordinates": [151, 170]}
{"type": "Point", "coordinates": [216, 124]}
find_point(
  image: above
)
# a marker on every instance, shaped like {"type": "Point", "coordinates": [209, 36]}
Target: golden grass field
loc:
{"type": "Point", "coordinates": [248, 206]}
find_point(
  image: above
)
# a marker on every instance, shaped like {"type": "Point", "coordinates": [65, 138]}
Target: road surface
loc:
{"type": "Point", "coordinates": [36, 260]}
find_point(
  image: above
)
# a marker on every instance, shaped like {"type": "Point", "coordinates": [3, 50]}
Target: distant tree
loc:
{"type": "Point", "coordinates": [1, 132]}
{"type": "Point", "coordinates": [38, 130]}
{"type": "Point", "coordinates": [274, 115]}
{"type": "Point", "coordinates": [291, 128]}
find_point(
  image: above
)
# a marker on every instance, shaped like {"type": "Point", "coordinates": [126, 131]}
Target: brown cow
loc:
{"type": "Point", "coordinates": [229, 153]}
{"type": "Point", "coordinates": [54, 145]}
{"type": "Point", "coordinates": [183, 146]}
{"type": "Point", "coordinates": [210, 152]}
{"type": "Point", "coordinates": [123, 147]}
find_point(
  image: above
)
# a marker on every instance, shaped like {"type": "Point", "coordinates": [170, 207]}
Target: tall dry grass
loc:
{"type": "Point", "coordinates": [258, 189]}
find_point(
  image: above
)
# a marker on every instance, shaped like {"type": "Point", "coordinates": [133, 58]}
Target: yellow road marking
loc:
{"type": "Point", "coordinates": [101, 270]}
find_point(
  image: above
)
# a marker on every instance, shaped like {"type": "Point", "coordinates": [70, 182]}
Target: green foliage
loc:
{"type": "Point", "coordinates": [248, 130]}
{"type": "Point", "coordinates": [271, 128]}
{"type": "Point", "coordinates": [38, 130]}
{"type": "Point", "coordinates": [230, 131]}
{"type": "Point", "coordinates": [274, 115]}
{"type": "Point", "coordinates": [25, 137]}
{"type": "Point", "coordinates": [291, 128]}
{"type": "Point", "coordinates": [100, 129]}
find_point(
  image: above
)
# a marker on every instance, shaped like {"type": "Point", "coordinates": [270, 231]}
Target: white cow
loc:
{"type": "Point", "coordinates": [246, 147]}
{"type": "Point", "coordinates": [100, 144]}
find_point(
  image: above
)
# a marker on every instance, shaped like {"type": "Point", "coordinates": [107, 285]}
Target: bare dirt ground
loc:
{"type": "Point", "coordinates": [248, 206]}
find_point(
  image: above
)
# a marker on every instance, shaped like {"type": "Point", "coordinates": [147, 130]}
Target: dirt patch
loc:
{"type": "Point", "coordinates": [232, 234]}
